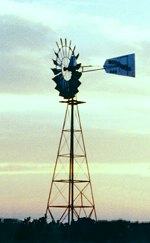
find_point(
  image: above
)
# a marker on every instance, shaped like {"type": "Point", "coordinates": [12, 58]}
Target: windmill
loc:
{"type": "Point", "coordinates": [71, 196]}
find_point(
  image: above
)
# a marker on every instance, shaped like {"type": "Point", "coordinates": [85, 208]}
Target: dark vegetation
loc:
{"type": "Point", "coordinates": [84, 230]}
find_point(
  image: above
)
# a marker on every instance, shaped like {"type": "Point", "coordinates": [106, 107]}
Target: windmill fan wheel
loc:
{"type": "Point", "coordinates": [66, 70]}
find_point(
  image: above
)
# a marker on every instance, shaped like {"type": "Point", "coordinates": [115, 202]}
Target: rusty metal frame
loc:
{"type": "Point", "coordinates": [72, 203]}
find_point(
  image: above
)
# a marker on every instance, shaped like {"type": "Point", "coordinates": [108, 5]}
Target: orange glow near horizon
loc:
{"type": "Point", "coordinates": [120, 190]}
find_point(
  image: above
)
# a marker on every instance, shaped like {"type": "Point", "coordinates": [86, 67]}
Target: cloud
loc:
{"type": "Point", "coordinates": [24, 168]}
{"type": "Point", "coordinates": [25, 51]}
{"type": "Point", "coordinates": [17, 34]}
{"type": "Point", "coordinates": [112, 147]}
{"type": "Point", "coordinates": [128, 169]}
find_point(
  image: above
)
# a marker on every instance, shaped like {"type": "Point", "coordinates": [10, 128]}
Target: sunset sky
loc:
{"type": "Point", "coordinates": [115, 118]}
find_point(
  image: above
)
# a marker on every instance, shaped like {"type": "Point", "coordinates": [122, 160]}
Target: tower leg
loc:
{"type": "Point", "coordinates": [71, 169]}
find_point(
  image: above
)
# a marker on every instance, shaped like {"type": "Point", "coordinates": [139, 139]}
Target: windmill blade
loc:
{"type": "Point", "coordinates": [61, 42]}
{"type": "Point", "coordinates": [56, 53]}
{"type": "Point", "coordinates": [78, 83]}
{"type": "Point", "coordinates": [58, 87]}
{"type": "Point", "coordinates": [76, 91]}
{"type": "Point", "coordinates": [73, 61]}
{"type": "Point", "coordinates": [65, 48]}
{"type": "Point", "coordinates": [57, 45]}
{"type": "Point", "coordinates": [57, 79]}
{"type": "Point", "coordinates": [76, 75]}
{"type": "Point", "coordinates": [65, 94]}
{"type": "Point", "coordinates": [73, 90]}
{"type": "Point", "coordinates": [65, 42]}
{"type": "Point", "coordinates": [78, 66]}
{"type": "Point", "coordinates": [69, 50]}
{"type": "Point", "coordinates": [70, 44]}
{"type": "Point", "coordinates": [56, 63]}
{"type": "Point", "coordinates": [73, 50]}
{"type": "Point", "coordinates": [77, 56]}
{"type": "Point", "coordinates": [61, 83]}
{"type": "Point", "coordinates": [56, 71]}
{"type": "Point", "coordinates": [73, 67]}
{"type": "Point", "coordinates": [75, 85]}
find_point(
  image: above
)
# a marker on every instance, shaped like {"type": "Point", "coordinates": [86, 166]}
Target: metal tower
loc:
{"type": "Point", "coordinates": [71, 195]}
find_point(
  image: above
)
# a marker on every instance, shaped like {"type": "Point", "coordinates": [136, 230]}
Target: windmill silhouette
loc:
{"type": "Point", "coordinates": [71, 196]}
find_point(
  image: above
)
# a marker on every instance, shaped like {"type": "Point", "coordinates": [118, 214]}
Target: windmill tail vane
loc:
{"type": "Point", "coordinates": [123, 65]}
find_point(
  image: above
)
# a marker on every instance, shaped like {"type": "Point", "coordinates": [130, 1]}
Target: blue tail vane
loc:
{"type": "Point", "coordinates": [123, 65]}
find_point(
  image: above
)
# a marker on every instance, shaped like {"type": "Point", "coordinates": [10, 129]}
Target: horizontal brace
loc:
{"type": "Point", "coordinates": [75, 181]}
{"type": "Point", "coordinates": [68, 130]}
{"type": "Point", "coordinates": [79, 156]}
{"type": "Point", "coordinates": [58, 206]}
{"type": "Point", "coordinates": [72, 102]}
{"type": "Point", "coordinates": [67, 206]}
{"type": "Point", "coordinates": [68, 155]}
{"type": "Point", "coordinates": [82, 206]}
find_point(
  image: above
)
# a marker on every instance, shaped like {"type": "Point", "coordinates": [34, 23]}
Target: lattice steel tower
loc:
{"type": "Point", "coordinates": [71, 195]}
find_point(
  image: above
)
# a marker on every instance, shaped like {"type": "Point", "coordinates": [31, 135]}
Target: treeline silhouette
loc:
{"type": "Point", "coordinates": [83, 230]}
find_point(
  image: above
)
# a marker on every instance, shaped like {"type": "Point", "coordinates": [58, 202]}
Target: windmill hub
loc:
{"type": "Point", "coordinates": [66, 74]}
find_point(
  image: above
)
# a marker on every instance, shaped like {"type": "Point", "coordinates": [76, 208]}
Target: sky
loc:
{"type": "Point", "coordinates": [115, 118]}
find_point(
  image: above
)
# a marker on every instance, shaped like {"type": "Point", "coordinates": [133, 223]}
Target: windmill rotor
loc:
{"type": "Point", "coordinates": [66, 70]}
